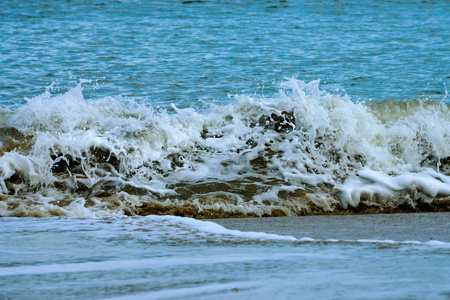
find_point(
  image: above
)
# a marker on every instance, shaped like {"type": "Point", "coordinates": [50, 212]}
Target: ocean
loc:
{"type": "Point", "coordinates": [137, 138]}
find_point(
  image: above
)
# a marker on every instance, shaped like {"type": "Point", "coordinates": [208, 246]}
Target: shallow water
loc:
{"type": "Point", "coordinates": [158, 257]}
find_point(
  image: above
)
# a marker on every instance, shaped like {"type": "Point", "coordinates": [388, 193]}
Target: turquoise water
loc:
{"type": "Point", "coordinates": [183, 51]}
{"type": "Point", "coordinates": [113, 112]}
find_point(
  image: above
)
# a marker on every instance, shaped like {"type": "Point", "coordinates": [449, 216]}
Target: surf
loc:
{"type": "Point", "coordinates": [301, 151]}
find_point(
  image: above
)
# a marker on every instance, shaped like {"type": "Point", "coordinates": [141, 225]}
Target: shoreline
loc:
{"type": "Point", "coordinates": [191, 210]}
{"type": "Point", "coordinates": [398, 227]}
{"type": "Point", "coordinates": [210, 208]}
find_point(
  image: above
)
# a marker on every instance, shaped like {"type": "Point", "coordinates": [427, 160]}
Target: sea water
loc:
{"type": "Point", "coordinates": [167, 257]}
{"type": "Point", "coordinates": [219, 109]}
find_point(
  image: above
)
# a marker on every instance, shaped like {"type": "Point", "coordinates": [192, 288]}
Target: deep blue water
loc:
{"type": "Point", "coordinates": [182, 51]}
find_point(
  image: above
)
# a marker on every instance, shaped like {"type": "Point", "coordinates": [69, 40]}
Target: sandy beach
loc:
{"type": "Point", "coordinates": [398, 227]}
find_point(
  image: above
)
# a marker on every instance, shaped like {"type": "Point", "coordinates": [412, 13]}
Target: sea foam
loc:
{"type": "Point", "coordinates": [302, 151]}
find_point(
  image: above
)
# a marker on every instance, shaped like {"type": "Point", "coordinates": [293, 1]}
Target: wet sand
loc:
{"type": "Point", "coordinates": [397, 227]}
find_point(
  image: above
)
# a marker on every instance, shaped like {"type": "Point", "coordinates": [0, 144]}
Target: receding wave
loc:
{"type": "Point", "coordinates": [302, 151]}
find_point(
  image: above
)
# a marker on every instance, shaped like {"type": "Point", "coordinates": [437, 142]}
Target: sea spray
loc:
{"type": "Point", "coordinates": [302, 151]}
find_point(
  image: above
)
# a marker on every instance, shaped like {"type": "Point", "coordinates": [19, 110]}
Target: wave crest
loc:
{"type": "Point", "coordinates": [303, 151]}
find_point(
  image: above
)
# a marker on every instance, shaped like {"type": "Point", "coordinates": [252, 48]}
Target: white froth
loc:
{"type": "Point", "coordinates": [368, 183]}
{"type": "Point", "coordinates": [301, 138]}
{"type": "Point", "coordinates": [213, 228]}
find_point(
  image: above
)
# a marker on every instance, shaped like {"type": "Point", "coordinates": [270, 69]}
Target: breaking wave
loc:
{"type": "Point", "coordinates": [302, 151]}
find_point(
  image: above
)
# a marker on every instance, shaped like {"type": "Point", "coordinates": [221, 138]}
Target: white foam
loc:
{"type": "Point", "coordinates": [304, 136]}
{"type": "Point", "coordinates": [371, 184]}
{"type": "Point", "coordinates": [214, 228]}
